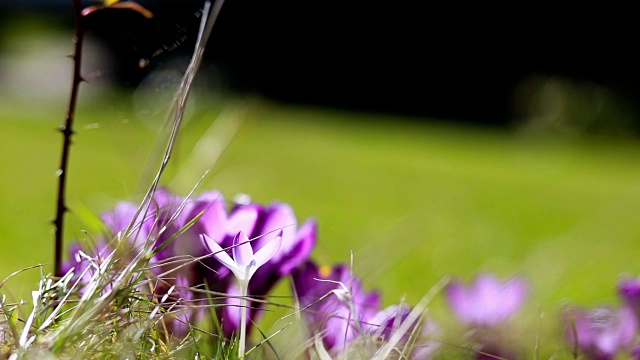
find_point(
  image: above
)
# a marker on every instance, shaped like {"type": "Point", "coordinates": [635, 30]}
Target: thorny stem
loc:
{"type": "Point", "coordinates": [67, 132]}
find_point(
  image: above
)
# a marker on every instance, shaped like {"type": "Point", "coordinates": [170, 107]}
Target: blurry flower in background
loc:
{"type": "Point", "coordinates": [484, 305]}
{"type": "Point", "coordinates": [601, 333]}
{"type": "Point", "coordinates": [629, 290]}
{"type": "Point", "coordinates": [487, 301]}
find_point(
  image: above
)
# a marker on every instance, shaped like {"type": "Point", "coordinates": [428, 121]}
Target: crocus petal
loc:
{"type": "Point", "coordinates": [185, 314]}
{"type": "Point", "coordinates": [601, 332]}
{"type": "Point", "coordinates": [219, 253]}
{"type": "Point", "coordinates": [214, 214]}
{"type": "Point", "coordinates": [266, 253]}
{"type": "Point", "coordinates": [230, 314]}
{"type": "Point", "coordinates": [244, 219]}
{"type": "Point", "coordinates": [501, 300]}
{"type": "Point", "coordinates": [85, 266]}
{"type": "Point", "coordinates": [337, 319]}
{"type": "Point", "coordinates": [306, 240]}
{"type": "Point", "coordinates": [629, 290]}
{"type": "Point", "coordinates": [458, 299]}
{"type": "Point", "coordinates": [118, 219]}
{"type": "Point", "coordinates": [242, 251]}
{"type": "Point", "coordinates": [628, 326]}
{"type": "Point", "coordinates": [387, 320]}
{"type": "Point", "coordinates": [280, 220]}
{"type": "Point", "coordinates": [486, 302]}
{"type": "Point", "coordinates": [515, 292]}
{"type": "Point", "coordinates": [188, 243]}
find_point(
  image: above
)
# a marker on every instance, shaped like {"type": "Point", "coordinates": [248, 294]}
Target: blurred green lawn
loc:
{"type": "Point", "coordinates": [415, 201]}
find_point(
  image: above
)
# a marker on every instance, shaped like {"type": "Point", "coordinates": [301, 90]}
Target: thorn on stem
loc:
{"type": "Point", "coordinates": [65, 130]}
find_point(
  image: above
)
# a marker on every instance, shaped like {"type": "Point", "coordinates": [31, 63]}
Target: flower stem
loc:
{"type": "Point", "coordinates": [244, 287]}
{"type": "Point", "coordinates": [67, 132]}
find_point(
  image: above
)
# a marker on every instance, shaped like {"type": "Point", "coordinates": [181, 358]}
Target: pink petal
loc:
{"type": "Point", "coordinates": [214, 219]}
{"type": "Point", "coordinates": [279, 218]}
{"type": "Point", "coordinates": [242, 219]}
{"type": "Point", "coordinates": [487, 301]}
{"type": "Point", "coordinates": [120, 217]}
{"type": "Point", "coordinates": [231, 310]}
{"type": "Point", "coordinates": [300, 252]}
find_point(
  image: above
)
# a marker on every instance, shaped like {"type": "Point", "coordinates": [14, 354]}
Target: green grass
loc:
{"type": "Point", "coordinates": [415, 201]}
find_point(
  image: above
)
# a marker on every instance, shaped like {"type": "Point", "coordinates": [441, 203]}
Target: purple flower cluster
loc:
{"type": "Point", "coordinates": [198, 242]}
{"type": "Point", "coordinates": [334, 302]}
{"type": "Point", "coordinates": [339, 310]}
{"type": "Point", "coordinates": [242, 252]}
{"type": "Point", "coordinates": [185, 260]}
{"type": "Point", "coordinates": [602, 333]}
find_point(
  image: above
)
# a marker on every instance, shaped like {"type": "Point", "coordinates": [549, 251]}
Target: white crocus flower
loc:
{"type": "Point", "coordinates": [243, 265]}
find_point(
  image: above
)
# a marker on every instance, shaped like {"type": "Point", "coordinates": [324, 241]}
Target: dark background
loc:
{"type": "Point", "coordinates": [453, 60]}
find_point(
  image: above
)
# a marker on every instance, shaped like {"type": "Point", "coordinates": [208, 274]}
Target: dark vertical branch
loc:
{"type": "Point", "coordinates": [67, 132]}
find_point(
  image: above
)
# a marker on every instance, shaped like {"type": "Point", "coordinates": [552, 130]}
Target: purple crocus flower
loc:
{"type": "Point", "coordinates": [338, 309]}
{"type": "Point", "coordinates": [168, 214]}
{"type": "Point", "coordinates": [386, 321]}
{"type": "Point", "coordinates": [262, 225]}
{"type": "Point", "coordinates": [146, 223]}
{"type": "Point", "coordinates": [258, 223]}
{"type": "Point", "coordinates": [487, 301]}
{"type": "Point", "coordinates": [243, 265]}
{"type": "Point", "coordinates": [211, 207]}
{"type": "Point", "coordinates": [629, 290]}
{"type": "Point", "coordinates": [337, 316]}
{"type": "Point", "coordinates": [245, 261]}
{"type": "Point", "coordinates": [185, 309]}
{"type": "Point", "coordinates": [601, 333]}
{"type": "Point", "coordinates": [424, 347]}
{"type": "Point", "coordinates": [383, 325]}
{"type": "Point", "coordinates": [85, 263]}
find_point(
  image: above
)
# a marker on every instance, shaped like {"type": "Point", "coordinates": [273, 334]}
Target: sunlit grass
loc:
{"type": "Point", "coordinates": [414, 200]}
